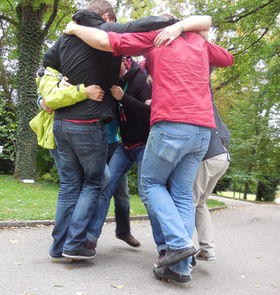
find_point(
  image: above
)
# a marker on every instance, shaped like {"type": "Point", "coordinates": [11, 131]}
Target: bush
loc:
{"type": "Point", "coordinates": [132, 180]}
{"type": "Point", "coordinates": [265, 191]}
{"type": "Point", "coordinates": [8, 128]}
{"type": "Point", "coordinates": [222, 185]}
{"type": "Point", "coordinates": [46, 168]}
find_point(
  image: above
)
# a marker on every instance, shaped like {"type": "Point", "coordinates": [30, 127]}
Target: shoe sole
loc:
{"type": "Point", "coordinates": [167, 277]}
{"type": "Point", "coordinates": [76, 257]}
{"type": "Point", "coordinates": [130, 244]}
{"type": "Point", "coordinates": [205, 259]}
{"type": "Point", "coordinates": [180, 257]}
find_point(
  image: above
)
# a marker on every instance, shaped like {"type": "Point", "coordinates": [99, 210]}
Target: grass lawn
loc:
{"type": "Point", "coordinates": [250, 197]}
{"type": "Point", "coordinates": [20, 201]}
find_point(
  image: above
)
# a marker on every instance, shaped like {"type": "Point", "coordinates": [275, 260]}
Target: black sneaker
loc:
{"type": "Point", "coordinates": [90, 245]}
{"type": "Point", "coordinates": [173, 256]}
{"type": "Point", "coordinates": [166, 273]}
{"type": "Point", "coordinates": [80, 253]}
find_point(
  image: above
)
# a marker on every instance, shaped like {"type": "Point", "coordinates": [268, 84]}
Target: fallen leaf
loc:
{"type": "Point", "coordinates": [16, 263]}
{"type": "Point", "coordinates": [58, 286]}
{"type": "Point", "coordinates": [69, 267]}
{"type": "Point", "coordinates": [118, 287]}
{"type": "Point", "coordinates": [14, 241]}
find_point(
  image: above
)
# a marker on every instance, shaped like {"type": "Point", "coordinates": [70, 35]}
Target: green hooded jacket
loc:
{"type": "Point", "coordinates": [55, 98]}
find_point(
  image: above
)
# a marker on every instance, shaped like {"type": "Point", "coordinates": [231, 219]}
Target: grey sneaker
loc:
{"type": "Point", "coordinates": [202, 256]}
{"type": "Point", "coordinates": [160, 255]}
{"type": "Point", "coordinates": [173, 256]}
{"type": "Point", "coordinates": [166, 273]}
{"type": "Point", "coordinates": [80, 253]}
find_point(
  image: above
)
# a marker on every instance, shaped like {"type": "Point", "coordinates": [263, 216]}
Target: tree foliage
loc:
{"type": "Point", "coordinates": [246, 94]}
{"type": "Point", "coordinates": [29, 21]}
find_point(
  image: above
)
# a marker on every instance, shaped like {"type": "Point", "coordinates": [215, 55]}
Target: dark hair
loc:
{"type": "Point", "coordinates": [102, 6]}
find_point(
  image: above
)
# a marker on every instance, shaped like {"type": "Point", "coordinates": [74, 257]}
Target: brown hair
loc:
{"type": "Point", "coordinates": [102, 6]}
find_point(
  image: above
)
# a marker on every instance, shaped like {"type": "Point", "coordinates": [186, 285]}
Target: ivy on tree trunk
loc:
{"type": "Point", "coordinates": [29, 46]}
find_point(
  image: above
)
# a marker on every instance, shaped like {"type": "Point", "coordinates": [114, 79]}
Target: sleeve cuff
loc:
{"type": "Point", "coordinates": [115, 40]}
{"type": "Point", "coordinates": [38, 100]}
{"type": "Point", "coordinates": [82, 91]}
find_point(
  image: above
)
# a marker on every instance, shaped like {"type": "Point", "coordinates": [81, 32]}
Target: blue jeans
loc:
{"type": "Point", "coordinates": [120, 163]}
{"type": "Point", "coordinates": [54, 154]}
{"type": "Point", "coordinates": [172, 156]}
{"type": "Point", "coordinates": [121, 199]}
{"type": "Point", "coordinates": [82, 152]}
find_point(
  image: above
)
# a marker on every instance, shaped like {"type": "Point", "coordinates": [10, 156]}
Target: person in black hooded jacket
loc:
{"type": "Point", "coordinates": [134, 120]}
{"type": "Point", "coordinates": [79, 129]}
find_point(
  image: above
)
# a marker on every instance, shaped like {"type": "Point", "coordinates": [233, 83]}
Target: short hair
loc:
{"type": "Point", "coordinates": [166, 16]}
{"type": "Point", "coordinates": [102, 6]}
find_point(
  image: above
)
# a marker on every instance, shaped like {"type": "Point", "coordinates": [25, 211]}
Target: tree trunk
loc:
{"type": "Point", "coordinates": [246, 188]}
{"type": "Point", "coordinates": [259, 192]}
{"type": "Point", "coordinates": [29, 45]}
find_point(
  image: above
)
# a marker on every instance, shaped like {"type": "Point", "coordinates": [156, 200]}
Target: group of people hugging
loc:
{"type": "Point", "coordinates": [92, 91]}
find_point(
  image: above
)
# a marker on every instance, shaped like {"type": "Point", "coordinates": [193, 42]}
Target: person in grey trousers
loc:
{"type": "Point", "coordinates": [211, 169]}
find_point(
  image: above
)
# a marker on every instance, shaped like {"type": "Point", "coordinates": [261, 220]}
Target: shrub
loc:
{"type": "Point", "coordinates": [8, 128]}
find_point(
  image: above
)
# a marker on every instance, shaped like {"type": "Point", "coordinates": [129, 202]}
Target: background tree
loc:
{"type": "Point", "coordinates": [246, 94]}
{"type": "Point", "coordinates": [30, 21]}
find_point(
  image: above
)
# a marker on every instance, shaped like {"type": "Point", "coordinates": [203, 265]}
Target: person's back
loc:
{"type": "Point", "coordinates": [180, 74]}
{"type": "Point", "coordinates": [83, 64]}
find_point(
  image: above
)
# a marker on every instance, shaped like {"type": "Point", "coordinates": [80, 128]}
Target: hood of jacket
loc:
{"type": "Point", "coordinates": [132, 69]}
{"type": "Point", "coordinates": [88, 18]}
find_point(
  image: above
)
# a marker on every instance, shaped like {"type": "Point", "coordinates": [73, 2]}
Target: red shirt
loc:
{"type": "Point", "coordinates": [180, 74]}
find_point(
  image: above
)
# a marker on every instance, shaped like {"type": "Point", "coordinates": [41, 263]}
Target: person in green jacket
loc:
{"type": "Point", "coordinates": [55, 95]}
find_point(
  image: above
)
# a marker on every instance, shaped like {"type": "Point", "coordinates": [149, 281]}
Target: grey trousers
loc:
{"type": "Point", "coordinates": [208, 174]}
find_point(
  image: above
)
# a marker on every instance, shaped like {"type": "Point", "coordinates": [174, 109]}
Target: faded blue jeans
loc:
{"type": "Point", "coordinates": [82, 152]}
{"type": "Point", "coordinates": [172, 156]}
{"type": "Point", "coordinates": [121, 199]}
{"type": "Point", "coordinates": [120, 163]}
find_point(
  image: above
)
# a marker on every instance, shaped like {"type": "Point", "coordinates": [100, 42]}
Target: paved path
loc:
{"type": "Point", "coordinates": [248, 260]}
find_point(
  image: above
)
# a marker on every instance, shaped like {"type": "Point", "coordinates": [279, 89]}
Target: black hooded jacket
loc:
{"type": "Point", "coordinates": [83, 64]}
{"type": "Point", "coordinates": [135, 127]}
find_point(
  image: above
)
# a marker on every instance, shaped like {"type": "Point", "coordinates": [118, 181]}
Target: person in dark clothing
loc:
{"type": "Point", "coordinates": [121, 194]}
{"type": "Point", "coordinates": [134, 119]}
{"type": "Point", "coordinates": [79, 130]}
{"type": "Point", "coordinates": [211, 169]}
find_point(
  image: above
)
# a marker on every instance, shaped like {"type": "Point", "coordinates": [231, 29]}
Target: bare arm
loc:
{"type": "Point", "coordinates": [194, 23]}
{"type": "Point", "coordinates": [93, 37]}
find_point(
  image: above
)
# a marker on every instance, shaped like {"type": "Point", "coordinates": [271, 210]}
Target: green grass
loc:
{"type": "Point", "coordinates": [21, 201]}
{"type": "Point", "coordinates": [250, 197]}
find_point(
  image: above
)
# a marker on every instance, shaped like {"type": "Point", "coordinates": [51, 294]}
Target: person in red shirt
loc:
{"type": "Point", "coordinates": [181, 118]}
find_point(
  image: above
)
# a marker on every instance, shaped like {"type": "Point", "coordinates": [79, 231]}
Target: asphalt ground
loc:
{"type": "Point", "coordinates": [247, 249]}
